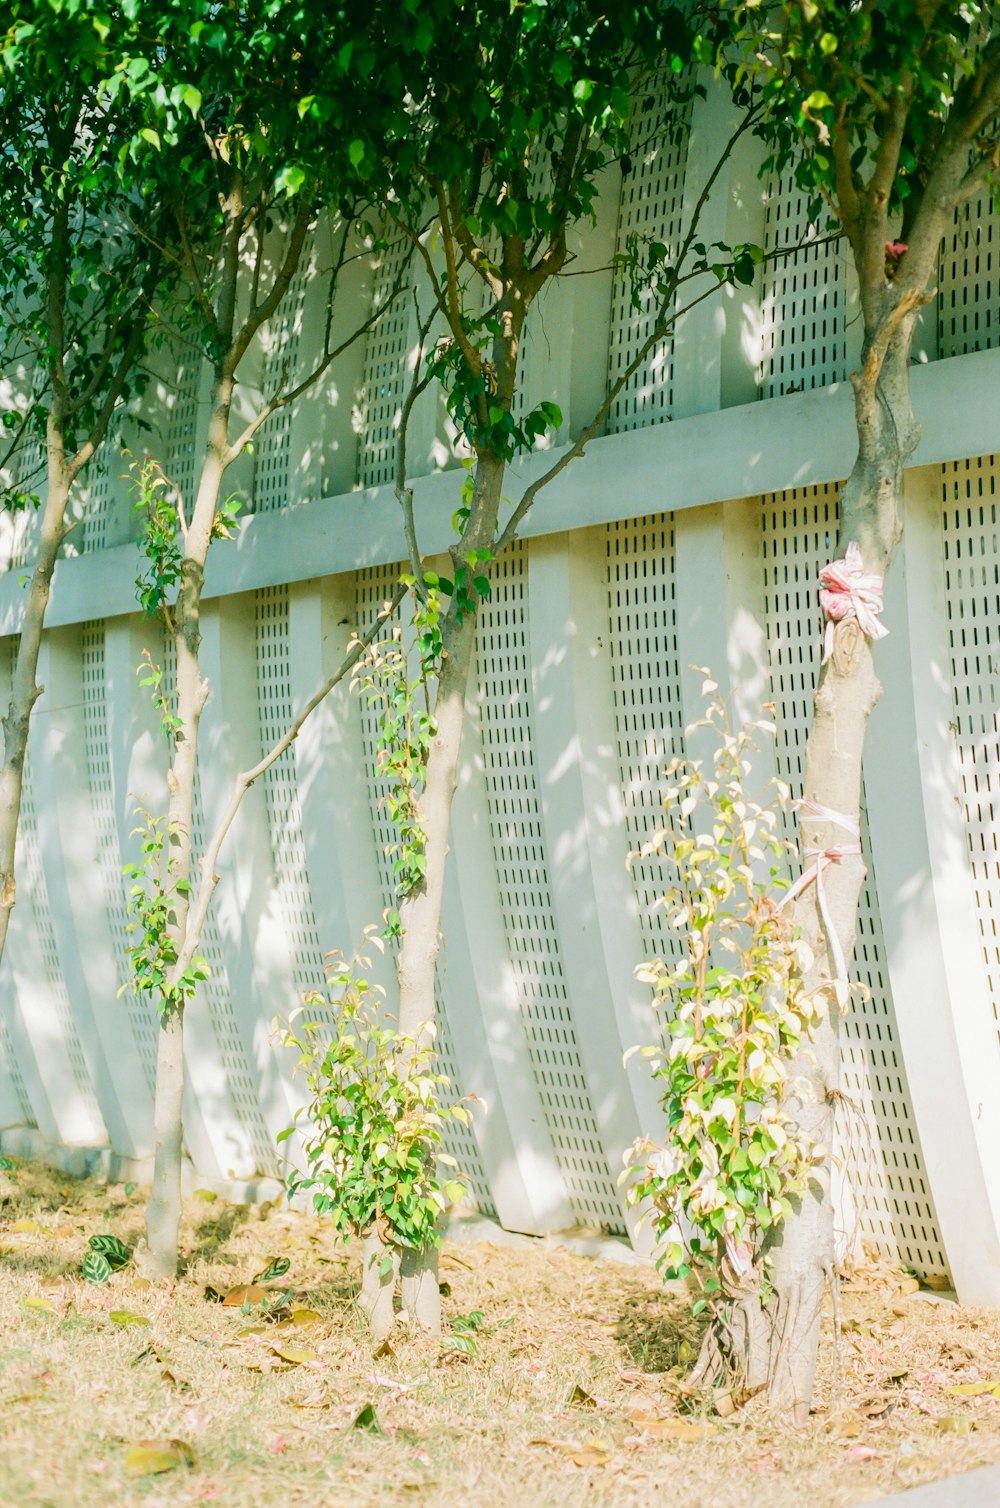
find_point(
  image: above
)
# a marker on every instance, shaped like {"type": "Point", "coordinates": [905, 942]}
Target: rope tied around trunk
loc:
{"type": "Point", "coordinates": [822, 858]}
{"type": "Point", "coordinates": [847, 590]}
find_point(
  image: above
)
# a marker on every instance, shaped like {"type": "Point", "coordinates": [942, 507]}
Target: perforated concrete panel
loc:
{"type": "Point", "coordinates": [284, 814]}
{"type": "Point", "coordinates": [972, 591]}
{"type": "Point", "coordinates": [47, 964]}
{"type": "Point", "coordinates": [282, 371]}
{"type": "Point", "coordinates": [110, 880]}
{"type": "Point", "coordinates": [92, 532]}
{"type": "Point", "coordinates": [649, 722]}
{"type": "Point", "coordinates": [11, 1045]}
{"type": "Point", "coordinates": [804, 297]}
{"type": "Point", "coordinates": [525, 895]}
{"type": "Point", "coordinates": [19, 529]}
{"type": "Point", "coordinates": [968, 301]}
{"type": "Point", "coordinates": [386, 355]}
{"type": "Point", "coordinates": [651, 208]}
{"type": "Point", "coordinates": [180, 431]}
{"type": "Point", "coordinates": [216, 993]}
{"type": "Point", "coordinates": [877, 1132]}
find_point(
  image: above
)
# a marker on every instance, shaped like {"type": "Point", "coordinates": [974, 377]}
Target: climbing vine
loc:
{"type": "Point", "coordinates": [151, 901]}
{"type": "Point", "coordinates": [398, 678]}
{"type": "Point", "coordinates": [159, 509]}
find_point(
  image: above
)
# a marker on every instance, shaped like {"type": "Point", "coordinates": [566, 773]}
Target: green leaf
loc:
{"type": "Point", "coordinates": [289, 179]}
{"type": "Point", "coordinates": [562, 68]}
{"type": "Point", "coordinates": [366, 1419]}
{"type": "Point", "coordinates": [115, 1252]}
{"type": "Point", "coordinates": [356, 152]}
{"type": "Point", "coordinates": [96, 1268]}
{"type": "Point", "coordinates": [276, 1268]}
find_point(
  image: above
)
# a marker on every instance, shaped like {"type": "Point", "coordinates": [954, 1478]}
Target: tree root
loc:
{"type": "Point", "coordinates": [751, 1347]}
{"type": "Point", "coordinates": [385, 1269]}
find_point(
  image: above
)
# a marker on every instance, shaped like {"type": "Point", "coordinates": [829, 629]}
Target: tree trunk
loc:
{"type": "Point", "coordinates": [379, 1274]}
{"type": "Point", "coordinates": [802, 1259]}
{"type": "Point", "coordinates": [420, 912]}
{"type": "Point", "coordinates": [163, 1212]}
{"type": "Point", "coordinates": [420, 1290]}
{"type": "Point", "coordinates": [800, 1256]}
{"type": "Point", "coordinates": [25, 690]}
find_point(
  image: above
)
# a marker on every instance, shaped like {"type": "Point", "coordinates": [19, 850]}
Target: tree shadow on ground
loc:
{"type": "Point", "coordinates": [213, 1233]}
{"type": "Point", "coordinates": [658, 1333]}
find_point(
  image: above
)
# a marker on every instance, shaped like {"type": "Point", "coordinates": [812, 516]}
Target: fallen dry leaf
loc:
{"type": "Point", "coordinates": [126, 1317]}
{"type": "Point", "coordinates": [956, 1424]}
{"type": "Point", "coordinates": [855, 1453]}
{"type": "Point", "coordinates": [300, 1317]}
{"type": "Point", "coordinates": [975, 1389]}
{"type": "Point", "coordinates": [150, 1457]}
{"type": "Point", "coordinates": [45, 1305]}
{"type": "Point", "coordinates": [765, 1460]}
{"type": "Point", "coordinates": [246, 1293]}
{"type": "Point", "coordinates": [591, 1453]}
{"type": "Point", "coordinates": [295, 1355]}
{"type": "Point", "coordinates": [670, 1427]}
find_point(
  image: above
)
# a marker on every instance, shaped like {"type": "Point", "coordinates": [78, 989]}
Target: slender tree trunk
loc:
{"type": "Point", "coordinates": [379, 1275]}
{"type": "Point", "coordinates": [420, 912]}
{"type": "Point", "coordinates": [163, 1212]}
{"type": "Point", "coordinates": [772, 1339]}
{"type": "Point", "coordinates": [25, 691]}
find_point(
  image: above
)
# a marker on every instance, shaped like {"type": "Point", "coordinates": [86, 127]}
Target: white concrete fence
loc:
{"type": "Point", "coordinates": [694, 541]}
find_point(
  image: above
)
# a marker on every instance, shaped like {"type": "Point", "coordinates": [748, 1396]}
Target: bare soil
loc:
{"type": "Point", "coordinates": [569, 1392]}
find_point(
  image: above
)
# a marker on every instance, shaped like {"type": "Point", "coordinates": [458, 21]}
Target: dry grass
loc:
{"type": "Point", "coordinates": [77, 1387]}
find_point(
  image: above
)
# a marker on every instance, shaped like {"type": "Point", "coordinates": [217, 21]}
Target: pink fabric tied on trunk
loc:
{"type": "Point", "coordinates": [847, 591]}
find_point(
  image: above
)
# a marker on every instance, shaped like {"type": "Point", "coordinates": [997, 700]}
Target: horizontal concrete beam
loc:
{"type": "Point", "coordinates": [799, 440]}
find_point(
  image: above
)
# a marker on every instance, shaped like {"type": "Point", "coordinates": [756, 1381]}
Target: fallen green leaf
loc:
{"type": "Point", "coordinates": [367, 1419]}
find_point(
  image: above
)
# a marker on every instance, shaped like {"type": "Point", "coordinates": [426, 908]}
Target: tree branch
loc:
{"type": "Point", "coordinates": [281, 399]}
{"type": "Point", "coordinates": [260, 313]}
{"type": "Point", "coordinates": [404, 494]}
{"type": "Point", "coordinates": [660, 330]}
{"type": "Point", "coordinates": [130, 354]}
{"type": "Point", "coordinates": [453, 310]}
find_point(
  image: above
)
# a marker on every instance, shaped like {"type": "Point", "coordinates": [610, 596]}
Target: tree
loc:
{"type": "Point", "coordinates": [224, 145]}
{"type": "Point", "coordinates": [81, 265]}
{"type": "Point", "coordinates": [891, 112]}
{"type": "Point", "coordinates": [492, 123]}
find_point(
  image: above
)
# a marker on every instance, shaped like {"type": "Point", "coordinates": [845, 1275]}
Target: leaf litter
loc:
{"type": "Point", "coordinates": [575, 1394]}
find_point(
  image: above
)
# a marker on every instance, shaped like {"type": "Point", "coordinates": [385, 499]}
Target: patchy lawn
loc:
{"type": "Point", "coordinates": [563, 1386]}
